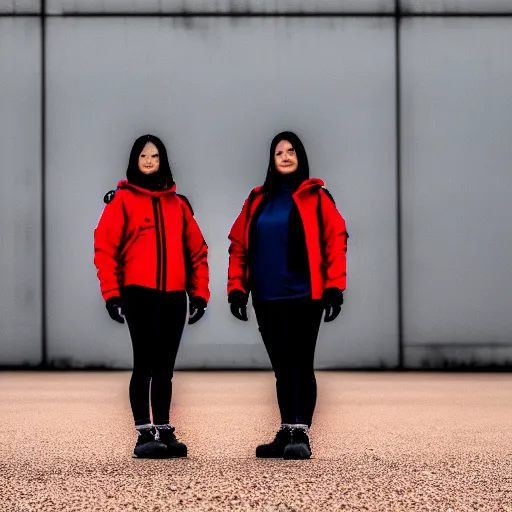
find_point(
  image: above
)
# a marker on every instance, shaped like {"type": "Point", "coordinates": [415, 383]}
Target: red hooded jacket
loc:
{"type": "Point", "coordinates": [324, 230]}
{"type": "Point", "coordinates": [150, 239]}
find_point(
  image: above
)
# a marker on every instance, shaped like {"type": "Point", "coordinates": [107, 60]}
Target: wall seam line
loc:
{"type": "Point", "coordinates": [398, 137]}
{"type": "Point", "coordinates": [44, 346]}
{"type": "Point", "coordinates": [248, 14]}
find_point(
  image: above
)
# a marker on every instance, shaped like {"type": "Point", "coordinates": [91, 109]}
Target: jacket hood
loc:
{"type": "Point", "coordinates": [153, 193]}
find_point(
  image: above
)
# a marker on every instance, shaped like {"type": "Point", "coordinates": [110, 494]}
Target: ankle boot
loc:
{"type": "Point", "coordinates": [147, 447]}
{"type": "Point", "coordinates": [276, 448]}
{"type": "Point", "coordinates": [174, 447]}
{"type": "Point", "coordinates": [298, 447]}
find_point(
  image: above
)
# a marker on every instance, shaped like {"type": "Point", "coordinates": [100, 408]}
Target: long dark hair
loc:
{"type": "Point", "coordinates": [159, 180]}
{"type": "Point", "coordinates": [274, 178]}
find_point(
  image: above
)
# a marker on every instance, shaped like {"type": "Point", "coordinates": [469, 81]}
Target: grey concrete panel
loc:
{"type": "Point", "coordinates": [20, 191]}
{"type": "Point", "coordinates": [220, 6]}
{"type": "Point", "coordinates": [456, 6]}
{"type": "Point", "coordinates": [20, 6]}
{"type": "Point", "coordinates": [217, 90]}
{"type": "Point", "coordinates": [457, 180]}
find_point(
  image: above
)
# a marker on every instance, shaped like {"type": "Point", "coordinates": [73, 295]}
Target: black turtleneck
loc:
{"type": "Point", "coordinates": [278, 181]}
{"type": "Point", "coordinates": [154, 181]}
{"type": "Point", "coordinates": [272, 276]}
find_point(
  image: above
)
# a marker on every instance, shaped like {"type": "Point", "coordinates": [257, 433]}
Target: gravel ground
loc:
{"type": "Point", "coordinates": [381, 441]}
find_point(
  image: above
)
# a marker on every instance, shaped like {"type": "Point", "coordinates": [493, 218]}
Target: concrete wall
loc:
{"type": "Point", "coordinates": [20, 6]}
{"type": "Point", "coordinates": [457, 185]}
{"type": "Point", "coordinates": [216, 90]}
{"type": "Point", "coordinates": [20, 191]}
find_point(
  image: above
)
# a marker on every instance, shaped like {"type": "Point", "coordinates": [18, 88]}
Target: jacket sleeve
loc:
{"type": "Point", "coordinates": [196, 253]}
{"type": "Point", "coordinates": [237, 269]}
{"type": "Point", "coordinates": [107, 242]}
{"type": "Point", "coordinates": [334, 236]}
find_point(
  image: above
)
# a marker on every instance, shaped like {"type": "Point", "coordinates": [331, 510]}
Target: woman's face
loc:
{"type": "Point", "coordinates": [149, 159]}
{"type": "Point", "coordinates": [285, 158]}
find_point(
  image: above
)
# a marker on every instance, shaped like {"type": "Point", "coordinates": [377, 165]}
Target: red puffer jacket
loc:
{"type": "Point", "coordinates": [324, 229]}
{"type": "Point", "coordinates": [150, 239]}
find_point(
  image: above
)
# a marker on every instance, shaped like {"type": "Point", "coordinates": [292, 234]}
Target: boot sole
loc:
{"type": "Point", "coordinates": [166, 456]}
{"type": "Point", "coordinates": [296, 453]}
{"type": "Point", "coordinates": [163, 456]}
{"type": "Point", "coordinates": [275, 455]}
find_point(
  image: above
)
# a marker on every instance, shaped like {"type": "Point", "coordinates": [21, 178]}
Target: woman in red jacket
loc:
{"type": "Point", "coordinates": [288, 248]}
{"type": "Point", "coordinates": [150, 253]}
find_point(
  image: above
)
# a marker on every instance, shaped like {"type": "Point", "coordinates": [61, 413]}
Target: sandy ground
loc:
{"type": "Point", "coordinates": [381, 441]}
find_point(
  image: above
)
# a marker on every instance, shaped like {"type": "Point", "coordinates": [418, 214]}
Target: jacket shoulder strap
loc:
{"type": "Point", "coordinates": [328, 194]}
{"type": "Point", "coordinates": [184, 199]}
{"type": "Point", "coordinates": [109, 196]}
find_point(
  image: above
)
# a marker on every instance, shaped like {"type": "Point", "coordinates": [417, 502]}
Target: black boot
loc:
{"type": "Point", "coordinates": [174, 447]}
{"type": "Point", "coordinates": [276, 448]}
{"type": "Point", "coordinates": [147, 447]}
{"type": "Point", "coordinates": [298, 447]}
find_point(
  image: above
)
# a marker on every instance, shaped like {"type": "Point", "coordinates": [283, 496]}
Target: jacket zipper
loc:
{"type": "Point", "coordinates": [164, 246]}
{"type": "Point", "coordinates": [158, 243]}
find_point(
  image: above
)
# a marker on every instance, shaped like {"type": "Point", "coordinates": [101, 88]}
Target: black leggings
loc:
{"type": "Point", "coordinates": [289, 329]}
{"type": "Point", "coordinates": [156, 320]}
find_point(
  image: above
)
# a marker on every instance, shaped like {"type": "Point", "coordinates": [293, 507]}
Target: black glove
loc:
{"type": "Point", "coordinates": [238, 300]}
{"type": "Point", "coordinates": [197, 308]}
{"type": "Point", "coordinates": [332, 300]}
{"type": "Point", "coordinates": [113, 306]}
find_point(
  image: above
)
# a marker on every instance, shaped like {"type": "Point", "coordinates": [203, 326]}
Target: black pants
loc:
{"type": "Point", "coordinates": [289, 329]}
{"type": "Point", "coordinates": [156, 320]}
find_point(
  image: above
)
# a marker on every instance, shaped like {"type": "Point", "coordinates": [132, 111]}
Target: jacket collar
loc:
{"type": "Point", "coordinates": [152, 193]}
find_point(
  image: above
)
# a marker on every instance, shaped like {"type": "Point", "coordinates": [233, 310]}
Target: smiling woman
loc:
{"type": "Point", "coordinates": [143, 245]}
{"type": "Point", "coordinates": [288, 250]}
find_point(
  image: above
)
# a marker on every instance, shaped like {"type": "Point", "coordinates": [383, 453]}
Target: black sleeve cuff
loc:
{"type": "Point", "coordinates": [238, 297]}
{"type": "Point", "coordinates": [333, 296]}
{"type": "Point", "coordinates": [199, 302]}
{"type": "Point", "coordinates": [113, 301]}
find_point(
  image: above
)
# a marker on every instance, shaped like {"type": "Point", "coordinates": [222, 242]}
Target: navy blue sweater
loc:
{"type": "Point", "coordinates": [271, 277]}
